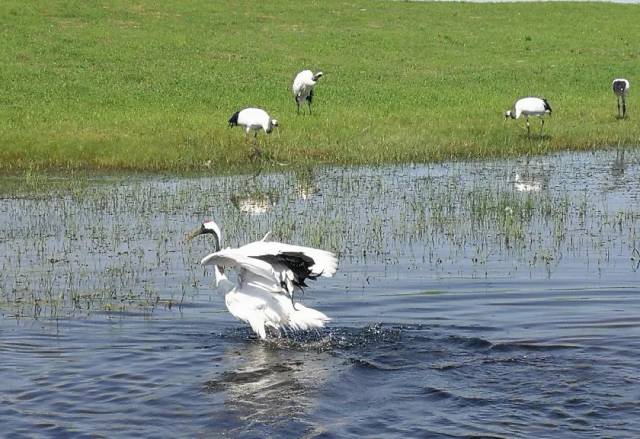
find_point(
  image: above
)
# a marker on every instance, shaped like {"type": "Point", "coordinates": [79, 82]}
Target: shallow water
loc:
{"type": "Point", "coordinates": [468, 302]}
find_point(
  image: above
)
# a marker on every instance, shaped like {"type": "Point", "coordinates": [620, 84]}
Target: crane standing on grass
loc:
{"type": "Point", "coordinates": [529, 106]}
{"type": "Point", "coordinates": [303, 87]}
{"type": "Point", "coordinates": [620, 89]}
{"type": "Point", "coordinates": [255, 119]}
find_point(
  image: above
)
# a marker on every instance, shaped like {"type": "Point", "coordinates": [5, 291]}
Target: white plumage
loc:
{"type": "Point", "coordinates": [620, 89]}
{"type": "Point", "coordinates": [268, 275]}
{"type": "Point", "coordinates": [303, 87]}
{"type": "Point", "coordinates": [255, 119]}
{"type": "Point", "coordinates": [530, 106]}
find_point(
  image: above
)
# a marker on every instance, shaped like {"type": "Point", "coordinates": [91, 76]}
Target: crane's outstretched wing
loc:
{"type": "Point", "coordinates": [284, 266]}
{"type": "Point", "coordinates": [318, 262]}
{"type": "Point", "coordinates": [232, 258]}
{"type": "Point", "coordinates": [293, 264]}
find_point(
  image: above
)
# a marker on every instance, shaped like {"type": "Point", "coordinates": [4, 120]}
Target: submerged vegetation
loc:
{"type": "Point", "coordinates": [149, 86]}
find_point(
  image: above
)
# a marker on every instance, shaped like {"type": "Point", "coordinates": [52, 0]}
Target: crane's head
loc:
{"type": "Point", "coordinates": [208, 227]}
{"type": "Point", "coordinates": [509, 114]}
{"type": "Point", "coordinates": [317, 76]}
{"type": "Point", "coordinates": [272, 124]}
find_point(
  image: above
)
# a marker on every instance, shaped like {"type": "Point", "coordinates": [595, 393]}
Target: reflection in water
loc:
{"type": "Point", "coordinates": [526, 184]}
{"type": "Point", "coordinates": [268, 384]}
{"type": "Point", "coordinates": [618, 166]}
{"type": "Point", "coordinates": [635, 259]}
{"type": "Point", "coordinates": [254, 203]}
{"type": "Point", "coordinates": [532, 177]}
{"type": "Point", "coordinates": [305, 184]}
{"type": "Point", "coordinates": [619, 178]}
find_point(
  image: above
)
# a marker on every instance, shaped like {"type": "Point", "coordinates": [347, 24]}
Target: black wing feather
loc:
{"type": "Point", "coordinates": [299, 264]}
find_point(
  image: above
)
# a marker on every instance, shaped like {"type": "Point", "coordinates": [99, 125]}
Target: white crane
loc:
{"type": "Point", "coordinates": [268, 275]}
{"type": "Point", "coordinates": [303, 87]}
{"type": "Point", "coordinates": [530, 106]}
{"type": "Point", "coordinates": [620, 89]}
{"type": "Point", "coordinates": [255, 119]}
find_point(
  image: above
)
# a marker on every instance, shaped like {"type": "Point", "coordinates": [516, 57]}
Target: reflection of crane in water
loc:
{"type": "Point", "coordinates": [526, 184]}
{"type": "Point", "coordinates": [305, 185]}
{"type": "Point", "coordinates": [267, 385]}
{"type": "Point", "coordinates": [618, 166]}
{"type": "Point", "coordinates": [531, 178]}
{"type": "Point", "coordinates": [618, 180]}
{"type": "Point", "coordinates": [254, 203]}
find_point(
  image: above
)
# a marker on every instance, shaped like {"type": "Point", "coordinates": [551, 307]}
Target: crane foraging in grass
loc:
{"type": "Point", "coordinates": [620, 89]}
{"type": "Point", "coordinates": [303, 87]}
{"type": "Point", "coordinates": [255, 119]}
{"type": "Point", "coordinates": [530, 106]}
{"type": "Point", "coordinates": [268, 275]}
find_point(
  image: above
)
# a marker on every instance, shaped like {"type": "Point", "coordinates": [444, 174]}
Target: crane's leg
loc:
{"type": "Point", "coordinates": [618, 107]}
{"type": "Point", "coordinates": [541, 126]}
{"type": "Point", "coordinates": [298, 105]}
{"type": "Point", "coordinates": [256, 150]}
{"type": "Point", "coordinates": [310, 99]}
{"type": "Point", "coordinates": [528, 127]}
{"type": "Point", "coordinates": [624, 107]}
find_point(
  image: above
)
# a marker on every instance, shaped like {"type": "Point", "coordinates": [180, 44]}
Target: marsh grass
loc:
{"type": "Point", "coordinates": [118, 246]}
{"type": "Point", "coordinates": [149, 86]}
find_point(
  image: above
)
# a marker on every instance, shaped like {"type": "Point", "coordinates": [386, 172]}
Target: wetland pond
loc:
{"type": "Point", "coordinates": [486, 299]}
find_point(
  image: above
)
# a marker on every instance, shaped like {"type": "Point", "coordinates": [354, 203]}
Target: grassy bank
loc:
{"type": "Point", "coordinates": [149, 86]}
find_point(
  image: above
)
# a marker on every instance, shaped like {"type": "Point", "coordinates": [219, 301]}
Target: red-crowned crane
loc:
{"type": "Point", "coordinates": [530, 106]}
{"type": "Point", "coordinates": [303, 87]}
{"type": "Point", "coordinates": [255, 119]}
{"type": "Point", "coordinates": [268, 274]}
{"type": "Point", "coordinates": [620, 89]}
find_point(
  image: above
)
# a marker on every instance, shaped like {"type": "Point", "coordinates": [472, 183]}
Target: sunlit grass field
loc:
{"type": "Point", "coordinates": [149, 86]}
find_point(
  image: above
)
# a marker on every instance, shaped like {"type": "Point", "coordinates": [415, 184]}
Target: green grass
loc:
{"type": "Point", "coordinates": [148, 86]}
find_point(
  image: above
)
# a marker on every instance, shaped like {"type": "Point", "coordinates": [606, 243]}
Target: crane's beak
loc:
{"type": "Point", "coordinates": [197, 232]}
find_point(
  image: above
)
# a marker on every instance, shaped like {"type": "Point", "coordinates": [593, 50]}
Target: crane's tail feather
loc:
{"type": "Point", "coordinates": [258, 326]}
{"type": "Point", "coordinates": [304, 318]}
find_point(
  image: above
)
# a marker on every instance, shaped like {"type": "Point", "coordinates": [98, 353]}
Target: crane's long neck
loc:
{"type": "Point", "coordinates": [220, 278]}
{"type": "Point", "coordinates": [216, 242]}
